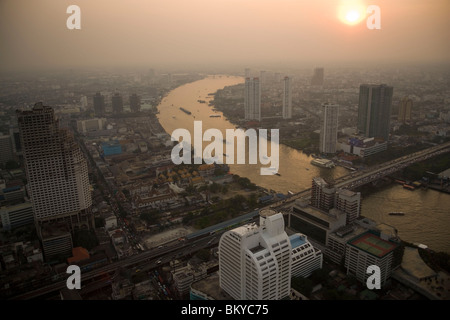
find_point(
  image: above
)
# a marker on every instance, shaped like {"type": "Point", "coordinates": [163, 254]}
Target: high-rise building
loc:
{"type": "Point", "coordinates": [255, 261]}
{"type": "Point", "coordinates": [322, 194]}
{"type": "Point", "coordinates": [56, 169]}
{"type": "Point", "coordinates": [329, 128]}
{"type": "Point", "coordinates": [117, 103]}
{"type": "Point", "coordinates": [247, 73]}
{"type": "Point", "coordinates": [374, 110]}
{"type": "Point", "coordinates": [349, 202]}
{"type": "Point", "coordinates": [404, 109]}
{"type": "Point", "coordinates": [317, 78]}
{"type": "Point", "coordinates": [262, 77]}
{"type": "Point", "coordinates": [6, 149]}
{"type": "Point", "coordinates": [287, 99]}
{"type": "Point", "coordinates": [99, 105]}
{"type": "Point", "coordinates": [135, 103]}
{"type": "Point", "coordinates": [252, 99]}
{"type": "Point", "coordinates": [15, 140]}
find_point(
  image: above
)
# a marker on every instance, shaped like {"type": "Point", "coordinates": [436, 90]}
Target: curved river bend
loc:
{"type": "Point", "coordinates": [427, 212]}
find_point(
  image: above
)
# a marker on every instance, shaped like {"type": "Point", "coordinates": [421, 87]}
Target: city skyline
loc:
{"type": "Point", "coordinates": [359, 119]}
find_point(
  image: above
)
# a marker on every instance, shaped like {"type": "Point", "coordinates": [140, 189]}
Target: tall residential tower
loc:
{"type": "Point", "coordinates": [329, 128]}
{"type": "Point", "coordinates": [287, 99]}
{"type": "Point", "coordinates": [252, 99]}
{"type": "Point", "coordinates": [374, 110]}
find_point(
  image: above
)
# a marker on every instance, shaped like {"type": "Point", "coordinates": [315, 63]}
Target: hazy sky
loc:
{"type": "Point", "coordinates": [159, 33]}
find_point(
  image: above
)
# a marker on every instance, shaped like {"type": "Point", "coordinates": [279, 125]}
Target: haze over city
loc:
{"type": "Point", "coordinates": [215, 33]}
{"type": "Point", "coordinates": [125, 172]}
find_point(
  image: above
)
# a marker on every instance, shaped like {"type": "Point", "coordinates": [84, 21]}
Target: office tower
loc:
{"type": "Point", "coordinates": [322, 194]}
{"type": "Point", "coordinates": [374, 110]}
{"type": "Point", "coordinates": [6, 149]}
{"type": "Point", "coordinates": [329, 128]}
{"type": "Point", "coordinates": [277, 77]}
{"type": "Point", "coordinates": [15, 140]}
{"type": "Point", "coordinates": [135, 103]}
{"type": "Point", "coordinates": [262, 77]}
{"type": "Point", "coordinates": [99, 105]}
{"type": "Point", "coordinates": [404, 109]}
{"type": "Point", "coordinates": [287, 99]}
{"type": "Point", "coordinates": [117, 103]}
{"type": "Point", "coordinates": [57, 172]}
{"type": "Point", "coordinates": [255, 261]}
{"type": "Point", "coordinates": [247, 73]}
{"type": "Point", "coordinates": [252, 99]}
{"type": "Point", "coordinates": [317, 78]}
{"type": "Point", "coordinates": [349, 202]}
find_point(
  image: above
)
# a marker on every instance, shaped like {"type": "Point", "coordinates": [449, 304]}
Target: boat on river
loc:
{"type": "Point", "coordinates": [396, 213]}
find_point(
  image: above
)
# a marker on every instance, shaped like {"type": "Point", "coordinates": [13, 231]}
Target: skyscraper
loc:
{"type": "Point", "coordinates": [374, 110]}
{"type": "Point", "coordinates": [404, 109]}
{"type": "Point", "coordinates": [247, 72]}
{"type": "Point", "coordinates": [287, 99]}
{"type": "Point", "coordinates": [317, 78]}
{"type": "Point", "coordinates": [117, 103]}
{"type": "Point", "coordinates": [329, 128]}
{"type": "Point", "coordinates": [135, 103]}
{"type": "Point", "coordinates": [56, 169]}
{"type": "Point", "coordinates": [99, 105]}
{"type": "Point", "coordinates": [252, 99]}
{"type": "Point", "coordinates": [255, 261]}
{"type": "Point", "coordinates": [6, 149]}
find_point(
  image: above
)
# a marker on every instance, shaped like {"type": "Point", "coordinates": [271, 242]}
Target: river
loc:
{"type": "Point", "coordinates": [427, 213]}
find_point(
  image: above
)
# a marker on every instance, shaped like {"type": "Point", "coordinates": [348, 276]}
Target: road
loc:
{"type": "Point", "coordinates": [151, 259]}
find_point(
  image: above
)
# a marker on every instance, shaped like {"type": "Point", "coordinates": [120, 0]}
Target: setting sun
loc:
{"type": "Point", "coordinates": [351, 12]}
{"type": "Point", "coordinates": [352, 16]}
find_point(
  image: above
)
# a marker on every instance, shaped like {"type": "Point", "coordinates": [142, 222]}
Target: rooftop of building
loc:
{"type": "Point", "coordinates": [346, 192]}
{"type": "Point", "coordinates": [372, 244]}
{"type": "Point", "coordinates": [297, 240]}
{"type": "Point", "coordinates": [211, 287]}
{"type": "Point", "coordinates": [246, 229]}
{"type": "Point", "coordinates": [318, 213]}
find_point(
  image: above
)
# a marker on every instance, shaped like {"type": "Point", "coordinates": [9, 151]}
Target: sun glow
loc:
{"type": "Point", "coordinates": [351, 12]}
{"type": "Point", "coordinates": [352, 16]}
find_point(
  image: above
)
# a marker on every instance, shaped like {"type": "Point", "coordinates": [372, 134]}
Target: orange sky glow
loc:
{"type": "Point", "coordinates": [33, 34]}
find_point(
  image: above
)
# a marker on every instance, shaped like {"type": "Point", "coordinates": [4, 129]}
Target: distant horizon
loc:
{"type": "Point", "coordinates": [216, 34]}
{"type": "Point", "coordinates": [232, 68]}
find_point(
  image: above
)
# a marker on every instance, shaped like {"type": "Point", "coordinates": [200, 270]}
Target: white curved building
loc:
{"type": "Point", "coordinates": [255, 261]}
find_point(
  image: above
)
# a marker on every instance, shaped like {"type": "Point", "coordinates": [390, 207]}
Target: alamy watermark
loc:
{"type": "Point", "coordinates": [214, 151]}
{"type": "Point", "coordinates": [73, 22]}
{"type": "Point", "coordinates": [374, 280]}
{"type": "Point", "coordinates": [73, 281]}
